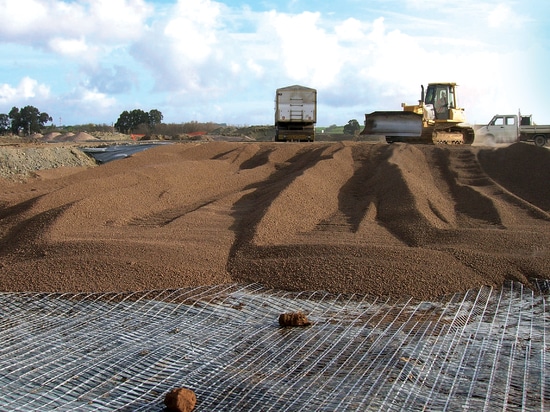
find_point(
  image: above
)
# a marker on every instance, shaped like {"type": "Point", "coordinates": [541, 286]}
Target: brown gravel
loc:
{"type": "Point", "coordinates": [399, 220]}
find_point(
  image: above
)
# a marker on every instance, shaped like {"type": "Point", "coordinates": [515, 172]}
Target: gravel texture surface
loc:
{"type": "Point", "coordinates": [399, 220]}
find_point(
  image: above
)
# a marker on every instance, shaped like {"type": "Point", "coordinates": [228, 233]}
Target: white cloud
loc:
{"type": "Point", "coordinates": [20, 16]}
{"type": "Point", "coordinates": [182, 49]}
{"type": "Point", "coordinates": [96, 100]}
{"type": "Point", "coordinates": [195, 54]}
{"type": "Point", "coordinates": [117, 20]}
{"type": "Point", "coordinates": [26, 89]}
{"type": "Point", "coordinates": [192, 30]}
{"type": "Point", "coordinates": [7, 93]}
{"type": "Point", "coordinates": [206, 55]}
{"type": "Point", "coordinates": [69, 47]}
{"type": "Point", "coordinates": [60, 26]}
{"type": "Point", "coordinates": [255, 68]}
{"type": "Point", "coordinates": [500, 16]}
{"type": "Point", "coordinates": [310, 54]}
{"type": "Point", "coordinates": [389, 61]}
{"type": "Point", "coordinates": [30, 88]}
{"type": "Point", "coordinates": [349, 30]}
{"type": "Point", "coordinates": [84, 105]}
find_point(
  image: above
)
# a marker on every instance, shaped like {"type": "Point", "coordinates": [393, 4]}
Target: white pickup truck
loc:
{"type": "Point", "coordinates": [510, 128]}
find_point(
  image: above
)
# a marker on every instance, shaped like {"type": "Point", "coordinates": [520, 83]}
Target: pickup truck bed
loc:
{"type": "Point", "coordinates": [540, 135]}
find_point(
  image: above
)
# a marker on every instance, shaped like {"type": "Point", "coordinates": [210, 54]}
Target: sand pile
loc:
{"type": "Point", "coordinates": [343, 217]}
{"type": "Point", "coordinates": [51, 136]}
{"type": "Point", "coordinates": [57, 137]}
{"type": "Point", "coordinates": [83, 137]}
{"type": "Point", "coordinates": [23, 160]}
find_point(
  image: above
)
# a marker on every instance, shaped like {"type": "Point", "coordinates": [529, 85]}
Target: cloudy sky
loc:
{"type": "Point", "coordinates": [86, 61]}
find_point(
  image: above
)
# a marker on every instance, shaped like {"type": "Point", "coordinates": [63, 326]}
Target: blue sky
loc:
{"type": "Point", "coordinates": [86, 61]}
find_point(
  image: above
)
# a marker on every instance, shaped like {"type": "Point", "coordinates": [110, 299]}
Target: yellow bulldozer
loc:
{"type": "Point", "coordinates": [435, 119]}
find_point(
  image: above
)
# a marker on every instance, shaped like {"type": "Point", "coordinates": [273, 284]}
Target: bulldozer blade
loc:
{"type": "Point", "coordinates": [393, 124]}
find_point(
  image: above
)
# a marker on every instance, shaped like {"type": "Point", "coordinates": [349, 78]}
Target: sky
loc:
{"type": "Point", "coordinates": [87, 61]}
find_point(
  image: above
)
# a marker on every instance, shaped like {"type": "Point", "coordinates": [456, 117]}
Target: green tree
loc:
{"type": "Point", "coordinates": [352, 127]}
{"type": "Point", "coordinates": [4, 123]}
{"type": "Point", "coordinates": [138, 119]}
{"type": "Point", "coordinates": [28, 120]}
{"type": "Point", "coordinates": [123, 124]}
{"type": "Point", "coordinates": [155, 118]}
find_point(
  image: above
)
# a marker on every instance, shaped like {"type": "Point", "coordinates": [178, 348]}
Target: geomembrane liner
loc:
{"type": "Point", "coordinates": [481, 350]}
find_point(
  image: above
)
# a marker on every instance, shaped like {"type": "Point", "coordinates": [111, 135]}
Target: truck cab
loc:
{"type": "Point", "coordinates": [511, 128]}
{"type": "Point", "coordinates": [502, 129]}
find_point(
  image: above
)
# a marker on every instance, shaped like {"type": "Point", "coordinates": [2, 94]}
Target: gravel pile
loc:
{"type": "Point", "coordinates": [399, 220]}
{"type": "Point", "coordinates": [21, 161]}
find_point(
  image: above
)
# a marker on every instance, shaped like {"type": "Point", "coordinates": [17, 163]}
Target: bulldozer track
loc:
{"type": "Point", "coordinates": [470, 185]}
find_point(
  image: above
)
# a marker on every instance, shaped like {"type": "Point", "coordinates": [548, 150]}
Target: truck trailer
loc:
{"type": "Point", "coordinates": [295, 114]}
{"type": "Point", "coordinates": [510, 128]}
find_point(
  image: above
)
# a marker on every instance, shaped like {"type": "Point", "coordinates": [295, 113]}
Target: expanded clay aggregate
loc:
{"type": "Point", "coordinates": [485, 349]}
{"type": "Point", "coordinates": [347, 217]}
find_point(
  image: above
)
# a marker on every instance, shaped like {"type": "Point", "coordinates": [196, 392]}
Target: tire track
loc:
{"type": "Point", "coordinates": [252, 208]}
{"type": "Point", "coordinates": [463, 176]}
{"type": "Point", "coordinates": [481, 201]}
{"type": "Point", "coordinates": [357, 220]}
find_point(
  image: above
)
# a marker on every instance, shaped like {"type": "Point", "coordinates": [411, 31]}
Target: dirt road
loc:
{"type": "Point", "coordinates": [354, 217]}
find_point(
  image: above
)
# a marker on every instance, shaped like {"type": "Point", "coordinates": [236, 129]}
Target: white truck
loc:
{"type": "Point", "coordinates": [295, 114]}
{"type": "Point", "coordinates": [510, 128]}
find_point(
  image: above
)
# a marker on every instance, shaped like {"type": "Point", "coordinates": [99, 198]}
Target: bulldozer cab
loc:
{"type": "Point", "coordinates": [442, 98]}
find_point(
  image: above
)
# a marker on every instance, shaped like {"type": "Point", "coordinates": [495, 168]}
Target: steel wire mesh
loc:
{"type": "Point", "coordinates": [484, 349]}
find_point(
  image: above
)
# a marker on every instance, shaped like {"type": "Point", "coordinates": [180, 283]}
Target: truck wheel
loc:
{"type": "Point", "coordinates": [540, 140]}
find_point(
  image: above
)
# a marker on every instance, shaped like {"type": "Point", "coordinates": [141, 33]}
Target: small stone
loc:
{"type": "Point", "coordinates": [293, 319]}
{"type": "Point", "coordinates": [180, 400]}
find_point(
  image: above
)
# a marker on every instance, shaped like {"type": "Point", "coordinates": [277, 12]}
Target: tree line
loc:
{"type": "Point", "coordinates": [27, 120]}
{"type": "Point", "coordinates": [138, 121]}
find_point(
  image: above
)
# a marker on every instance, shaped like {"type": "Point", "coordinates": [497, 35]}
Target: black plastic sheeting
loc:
{"type": "Point", "coordinates": [110, 153]}
{"type": "Point", "coordinates": [483, 350]}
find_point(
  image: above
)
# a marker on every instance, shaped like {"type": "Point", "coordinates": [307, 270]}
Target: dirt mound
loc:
{"type": "Point", "coordinates": [245, 133]}
{"type": "Point", "coordinates": [111, 136]}
{"type": "Point", "coordinates": [69, 137]}
{"type": "Point", "coordinates": [350, 217]}
{"type": "Point", "coordinates": [21, 161]}
{"type": "Point", "coordinates": [84, 137]}
{"type": "Point", "coordinates": [49, 137]}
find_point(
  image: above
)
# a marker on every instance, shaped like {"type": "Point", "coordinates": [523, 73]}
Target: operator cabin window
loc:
{"type": "Point", "coordinates": [451, 97]}
{"type": "Point", "coordinates": [430, 97]}
{"type": "Point", "coordinates": [499, 121]}
{"type": "Point", "coordinates": [510, 121]}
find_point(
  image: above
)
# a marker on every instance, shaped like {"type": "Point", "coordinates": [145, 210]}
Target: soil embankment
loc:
{"type": "Point", "coordinates": [353, 217]}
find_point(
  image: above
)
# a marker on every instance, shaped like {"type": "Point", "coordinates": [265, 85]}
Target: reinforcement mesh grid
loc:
{"type": "Point", "coordinates": [482, 350]}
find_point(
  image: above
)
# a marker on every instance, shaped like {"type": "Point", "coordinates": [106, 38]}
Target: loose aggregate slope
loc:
{"type": "Point", "coordinates": [392, 220]}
